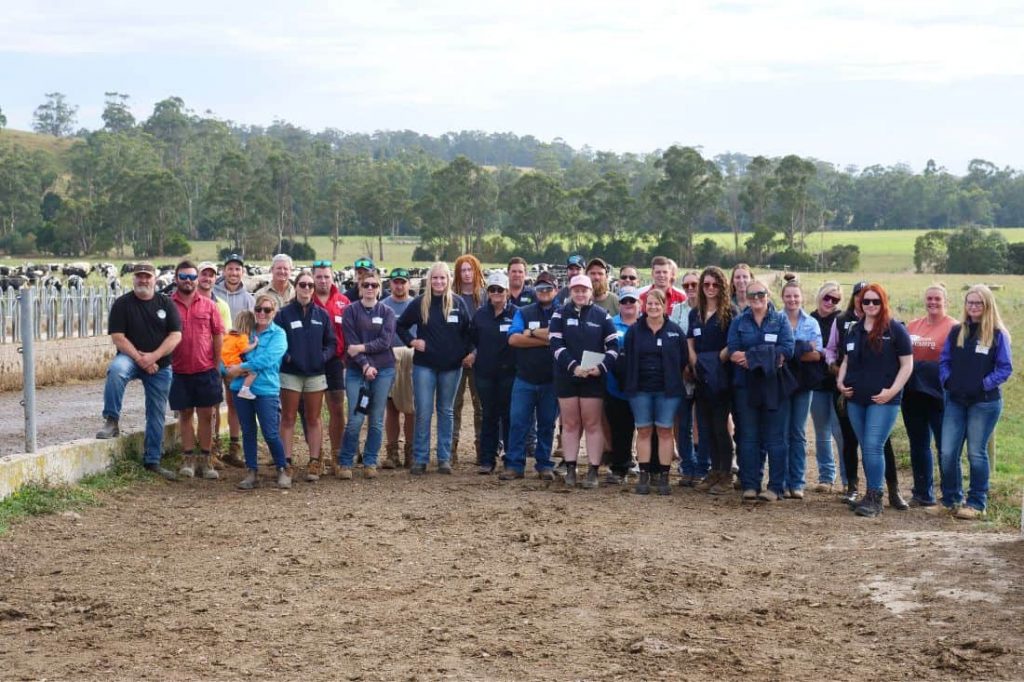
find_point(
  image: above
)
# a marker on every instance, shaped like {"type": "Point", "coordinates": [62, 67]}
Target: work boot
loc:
{"type": "Point", "coordinates": [722, 485]}
{"type": "Point", "coordinates": [705, 484]}
{"type": "Point", "coordinates": [155, 468]}
{"type": "Point", "coordinates": [444, 467]}
{"type": "Point", "coordinates": [643, 485]}
{"type": "Point", "coordinates": [570, 474]}
{"type": "Point", "coordinates": [896, 500]}
{"type": "Point", "coordinates": [391, 460]}
{"type": "Point", "coordinates": [109, 430]}
{"type": "Point", "coordinates": [344, 473]}
{"type": "Point", "coordinates": [370, 472]}
{"type": "Point", "coordinates": [870, 505]}
{"type": "Point", "coordinates": [205, 468]}
{"type": "Point", "coordinates": [215, 460]}
{"type": "Point", "coordinates": [313, 471]}
{"type": "Point", "coordinates": [590, 482]}
{"type": "Point", "coordinates": [188, 466]}
{"type": "Point", "coordinates": [234, 456]}
{"type": "Point", "coordinates": [664, 487]}
{"type": "Point", "coordinates": [612, 478]}
{"type": "Point", "coordinates": [250, 481]}
{"type": "Point", "coordinates": [284, 479]}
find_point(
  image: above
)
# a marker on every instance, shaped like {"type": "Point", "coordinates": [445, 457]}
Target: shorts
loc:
{"type": "Point", "coordinates": [203, 389]}
{"type": "Point", "coordinates": [401, 390]}
{"type": "Point", "coordinates": [303, 384]}
{"type": "Point", "coordinates": [654, 408]}
{"type": "Point", "coordinates": [334, 370]}
{"type": "Point", "coordinates": [591, 387]}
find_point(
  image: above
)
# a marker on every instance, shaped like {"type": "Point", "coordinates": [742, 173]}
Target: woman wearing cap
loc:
{"type": "Point", "coordinates": [652, 367]}
{"type": "Point", "coordinates": [369, 327]}
{"type": "Point", "coordinates": [616, 403]}
{"type": "Point", "coordinates": [806, 367]}
{"type": "Point", "coordinates": [400, 403]}
{"type": "Point", "coordinates": [975, 363]}
{"type": "Point", "coordinates": [579, 327]}
{"type": "Point", "coordinates": [470, 288]}
{"type": "Point", "coordinates": [311, 344]}
{"type": "Point", "coordinates": [878, 362]}
{"type": "Point", "coordinates": [823, 409]}
{"type": "Point", "coordinates": [494, 369]}
{"type": "Point", "coordinates": [442, 346]}
{"type": "Point", "coordinates": [760, 342]}
{"type": "Point", "coordinates": [265, 408]}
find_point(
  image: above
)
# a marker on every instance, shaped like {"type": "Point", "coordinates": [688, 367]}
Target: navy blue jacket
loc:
{"type": "Point", "coordinates": [745, 334]}
{"type": "Point", "coordinates": [533, 365]}
{"type": "Point", "coordinates": [448, 340]}
{"type": "Point", "coordinates": [972, 375]}
{"type": "Point", "coordinates": [490, 336]}
{"type": "Point", "coordinates": [868, 371]}
{"type": "Point", "coordinates": [526, 297]}
{"type": "Point", "coordinates": [574, 330]}
{"type": "Point", "coordinates": [374, 329]}
{"type": "Point", "coordinates": [673, 356]}
{"type": "Point", "coordinates": [310, 335]}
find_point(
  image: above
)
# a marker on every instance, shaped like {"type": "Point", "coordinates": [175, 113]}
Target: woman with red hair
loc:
{"type": "Point", "coordinates": [878, 362]}
{"type": "Point", "coordinates": [469, 286]}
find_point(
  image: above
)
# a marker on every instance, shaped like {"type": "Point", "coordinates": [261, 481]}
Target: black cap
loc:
{"type": "Point", "coordinates": [234, 258]}
{"type": "Point", "coordinates": [859, 286]}
{"type": "Point", "coordinates": [545, 279]}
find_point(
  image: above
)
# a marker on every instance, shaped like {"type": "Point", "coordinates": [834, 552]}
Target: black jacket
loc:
{"type": "Point", "coordinates": [448, 339]}
{"type": "Point", "coordinates": [673, 354]}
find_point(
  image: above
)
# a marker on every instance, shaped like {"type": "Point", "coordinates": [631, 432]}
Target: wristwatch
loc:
{"type": "Point", "coordinates": [529, 332]}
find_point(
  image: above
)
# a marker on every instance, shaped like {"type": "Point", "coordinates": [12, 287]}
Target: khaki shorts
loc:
{"type": "Point", "coordinates": [401, 389]}
{"type": "Point", "coordinates": [303, 384]}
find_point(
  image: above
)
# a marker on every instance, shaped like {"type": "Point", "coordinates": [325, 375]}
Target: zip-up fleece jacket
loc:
{"type": "Point", "coordinates": [265, 360]}
{"type": "Point", "coordinates": [448, 339]}
{"type": "Point", "coordinates": [311, 341]}
{"type": "Point", "coordinates": [672, 341]}
{"type": "Point", "coordinates": [973, 374]}
{"type": "Point", "coordinates": [574, 330]}
{"type": "Point", "coordinates": [375, 330]}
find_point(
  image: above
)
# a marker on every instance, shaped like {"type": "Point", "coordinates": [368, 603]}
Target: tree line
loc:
{"type": "Point", "coordinates": [147, 187]}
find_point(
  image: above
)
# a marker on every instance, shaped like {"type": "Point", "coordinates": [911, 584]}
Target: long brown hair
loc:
{"type": "Point", "coordinates": [884, 315]}
{"type": "Point", "coordinates": [723, 300]}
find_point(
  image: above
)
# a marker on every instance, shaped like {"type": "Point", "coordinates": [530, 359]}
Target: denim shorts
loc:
{"type": "Point", "coordinates": [654, 408]}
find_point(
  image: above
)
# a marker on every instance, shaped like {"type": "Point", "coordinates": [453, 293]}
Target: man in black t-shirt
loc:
{"type": "Point", "coordinates": [145, 327]}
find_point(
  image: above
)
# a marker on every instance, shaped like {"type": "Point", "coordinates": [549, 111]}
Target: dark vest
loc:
{"type": "Point", "coordinates": [533, 365]}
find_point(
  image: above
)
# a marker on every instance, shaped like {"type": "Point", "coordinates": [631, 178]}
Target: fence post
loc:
{"type": "Point", "coordinates": [28, 364]}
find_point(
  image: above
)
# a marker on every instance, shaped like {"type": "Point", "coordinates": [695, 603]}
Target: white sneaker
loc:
{"type": "Point", "coordinates": [246, 392]}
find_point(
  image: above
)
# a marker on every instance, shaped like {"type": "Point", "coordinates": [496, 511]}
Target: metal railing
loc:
{"type": "Point", "coordinates": [58, 314]}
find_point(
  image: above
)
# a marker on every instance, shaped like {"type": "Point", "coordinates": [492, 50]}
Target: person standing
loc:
{"type": "Point", "coordinates": [327, 297]}
{"type": "Point", "coordinates": [823, 396]}
{"type": "Point", "coordinates": [597, 271]}
{"type": "Point", "coordinates": [196, 388]}
{"type": "Point", "coordinates": [975, 363]}
{"type": "Point", "coordinates": [574, 265]}
{"type": "Point", "coordinates": [231, 288]}
{"type": "Point", "coordinates": [661, 273]}
{"type": "Point", "coordinates": [617, 412]}
{"type": "Point", "coordinates": [369, 327]}
{"type": "Point", "coordinates": [741, 277]}
{"type": "Point", "coordinates": [443, 345]}
{"type": "Point", "coordinates": [145, 328]}
{"type": "Point", "coordinates": [470, 288]}
{"type": "Point", "coordinates": [280, 286]}
{"type": "Point", "coordinates": [923, 401]}
{"type": "Point", "coordinates": [694, 462]}
{"type": "Point", "coordinates": [878, 362]}
{"type": "Point", "coordinates": [400, 414]}
{"type": "Point", "coordinates": [361, 266]}
{"type": "Point", "coordinates": [520, 294]}
{"type": "Point", "coordinates": [493, 369]}
{"type": "Point", "coordinates": [533, 392]}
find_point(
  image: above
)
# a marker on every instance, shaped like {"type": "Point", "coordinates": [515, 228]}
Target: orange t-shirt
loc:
{"type": "Point", "coordinates": [233, 347]}
{"type": "Point", "coordinates": [928, 339]}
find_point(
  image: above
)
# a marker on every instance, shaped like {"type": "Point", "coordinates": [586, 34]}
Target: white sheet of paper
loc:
{"type": "Point", "coordinates": [591, 359]}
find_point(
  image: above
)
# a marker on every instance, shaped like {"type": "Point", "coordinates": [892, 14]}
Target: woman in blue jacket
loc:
{"type": "Point", "coordinates": [760, 342]}
{"type": "Point", "coordinates": [311, 343]}
{"type": "Point", "coordinates": [443, 346]}
{"type": "Point", "coordinates": [578, 327]}
{"type": "Point", "coordinates": [265, 361]}
{"type": "Point", "coordinates": [807, 369]}
{"type": "Point", "coordinates": [975, 362]}
{"type": "Point", "coordinates": [494, 369]}
{"type": "Point", "coordinates": [653, 355]}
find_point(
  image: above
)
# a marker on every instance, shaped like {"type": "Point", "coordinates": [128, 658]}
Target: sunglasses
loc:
{"type": "Point", "coordinates": [710, 285]}
{"type": "Point", "coordinates": [690, 285]}
{"type": "Point", "coordinates": [628, 301]}
{"type": "Point", "coordinates": [495, 290]}
{"type": "Point", "coordinates": [370, 285]}
{"type": "Point", "coordinates": [305, 285]}
{"type": "Point", "coordinates": [834, 300]}
{"type": "Point", "coordinates": [974, 304]}
{"type": "Point", "coordinates": [322, 264]}
{"type": "Point", "coordinates": [188, 278]}
{"type": "Point", "coordinates": [266, 309]}
{"type": "Point", "coordinates": [871, 301]}
{"type": "Point", "coordinates": [631, 278]}
{"type": "Point", "coordinates": [757, 294]}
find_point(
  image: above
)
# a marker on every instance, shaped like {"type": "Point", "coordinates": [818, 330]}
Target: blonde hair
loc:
{"type": "Point", "coordinates": [657, 295]}
{"type": "Point", "coordinates": [447, 298]}
{"type": "Point", "coordinates": [990, 319]}
{"type": "Point", "coordinates": [827, 287]}
{"type": "Point", "coordinates": [245, 322]}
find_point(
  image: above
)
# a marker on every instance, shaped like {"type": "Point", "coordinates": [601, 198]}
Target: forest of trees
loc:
{"type": "Point", "coordinates": [146, 187]}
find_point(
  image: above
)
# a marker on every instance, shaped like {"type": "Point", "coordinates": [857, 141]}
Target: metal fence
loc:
{"type": "Point", "coordinates": [58, 314]}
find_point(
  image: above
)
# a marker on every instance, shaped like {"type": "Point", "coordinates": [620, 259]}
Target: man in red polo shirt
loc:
{"type": "Point", "coordinates": [661, 273]}
{"type": "Point", "coordinates": [195, 385]}
{"type": "Point", "coordinates": [327, 296]}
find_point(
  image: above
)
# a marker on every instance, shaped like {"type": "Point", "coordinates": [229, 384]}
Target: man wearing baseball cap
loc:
{"type": "Point", "coordinates": [574, 265]}
{"type": "Point", "coordinates": [401, 404]}
{"type": "Point", "coordinates": [361, 265]}
{"type": "Point", "coordinates": [204, 288]}
{"type": "Point", "coordinates": [232, 289]}
{"type": "Point", "coordinates": [597, 271]}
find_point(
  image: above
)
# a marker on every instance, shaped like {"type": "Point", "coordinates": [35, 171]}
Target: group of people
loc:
{"type": "Point", "coordinates": [716, 372]}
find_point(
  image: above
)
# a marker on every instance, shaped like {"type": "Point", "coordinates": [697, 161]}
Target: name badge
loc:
{"type": "Point", "coordinates": [317, 323]}
{"type": "Point", "coordinates": [296, 324]}
{"type": "Point", "coordinates": [983, 350]}
{"type": "Point", "coordinates": [503, 328]}
{"type": "Point", "coordinates": [535, 325]}
{"type": "Point", "coordinates": [696, 331]}
{"type": "Point", "coordinates": [849, 347]}
{"type": "Point", "coordinates": [453, 319]}
{"type": "Point", "coordinates": [526, 299]}
{"type": "Point", "coordinates": [337, 319]}
{"type": "Point", "coordinates": [572, 322]}
{"type": "Point", "coordinates": [771, 338]}
{"type": "Point", "coordinates": [659, 343]}
{"type": "Point", "coordinates": [377, 320]}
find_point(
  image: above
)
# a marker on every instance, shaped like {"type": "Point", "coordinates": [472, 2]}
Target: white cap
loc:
{"type": "Point", "coordinates": [207, 265]}
{"type": "Point", "coordinates": [497, 279]}
{"type": "Point", "coordinates": [581, 281]}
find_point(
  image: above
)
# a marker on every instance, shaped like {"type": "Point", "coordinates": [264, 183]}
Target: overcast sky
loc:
{"type": "Point", "coordinates": [873, 81]}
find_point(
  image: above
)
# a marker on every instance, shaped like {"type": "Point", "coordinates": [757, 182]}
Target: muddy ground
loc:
{"type": "Point", "coordinates": [464, 577]}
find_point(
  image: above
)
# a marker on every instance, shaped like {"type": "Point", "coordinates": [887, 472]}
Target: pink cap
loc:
{"type": "Point", "coordinates": [580, 281]}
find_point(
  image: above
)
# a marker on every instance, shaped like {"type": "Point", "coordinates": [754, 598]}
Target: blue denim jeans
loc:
{"type": "Point", "coordinates": [266, 409]}
{"type": "Point", "coordinates": [692, 461]}
{"type": "Point", "coordinates": [495, 402]}
{"type": "Point", "coordinates": [379, 389]}
{"type": "Point", "coordinates": [760, 431]}
{"type": "Point", "coordinates": [796, 439]}
{"type": "Point", "coordinates": [872, 424]}
{"type": "Point", "coordinates": [922, 417]}
{"type": "Point", "coordinates": [123, 369]}
{"type": "Point", "coordinates": [433, 389]}
{"type": "Point", "coordinates": [975, 424]}
{"type": "Point", "coordinates": [826, 427]}
{"type": "Point", "coordinates": [531, 404]}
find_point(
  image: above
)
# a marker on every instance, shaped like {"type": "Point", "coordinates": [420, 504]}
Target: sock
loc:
{"type": "Point", "coordinates": [234, 439]}
{"type": "Point", "coordinates": [188, 453]}
{"type": "Point", "coordinates": [645, 466]}
{"type": "Point", "coordinates": [204, 453]}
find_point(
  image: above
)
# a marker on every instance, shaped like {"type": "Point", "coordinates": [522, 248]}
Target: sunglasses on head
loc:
{"type": "Point", "coordinates": [322, 264]}
{"type": "Point", "coordinates": [870, 301]}
{"type": "Point", "coordinates": [265, 309]}
{"type": "Point", "coordinates": [757, 294]}
{"type": "Point", "coordinates": [187, 278]}
{"type": "Point", "coordinates": [834, 300]}
{"type": "Point", "coordinates": [370, 285]}
{"type": "Point", "coordinates": [495, 290]}
{"type": "Point", "coordinates": [305, 285]}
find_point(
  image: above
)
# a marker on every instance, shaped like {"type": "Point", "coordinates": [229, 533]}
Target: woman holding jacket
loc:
{"type": "Point", "coordinates": [580, 326]}
{"type": "Point", "coordinates": [760, 343]}
{"type": "Point", "coordinates": [975, 362]}
{"type": "Point", "coordinates": [369, 328]}
{"type": "Point", "coordinates": [652, 360]}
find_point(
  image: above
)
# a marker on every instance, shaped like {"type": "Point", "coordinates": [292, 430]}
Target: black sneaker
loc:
{"type": "Point", "coordinates": [155, 468]}
{"type": "Point", "coordinates": [851, 496]}
{"type": "Point", "coordinates": [870, 505]}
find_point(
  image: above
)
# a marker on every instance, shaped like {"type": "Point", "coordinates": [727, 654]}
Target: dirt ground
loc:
{"type": "Point", "coordinates": [464, 577]}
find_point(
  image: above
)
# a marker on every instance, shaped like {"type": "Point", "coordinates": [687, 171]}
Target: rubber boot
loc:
{"type": "Point", "coordinates": [570, 474]}
{"type": "Point", "coordinates": [664, 487]}
{"type": "Point", "coordinates": [643, 485]}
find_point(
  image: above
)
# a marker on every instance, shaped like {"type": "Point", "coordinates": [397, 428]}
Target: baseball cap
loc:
{"type": "Point", "coordinates": [576, 260]}
{"type": "Point", "coordinates": [497, 279]}
{"type": "Point", "coordinates": [399, 273]}
{"type": "Point", "coordinates": [580, 281]}
{"type": "Point", "coordinates": [364, 263]}
{"type": "Point", "coordinates": [598, 261]}
{"type": "Point", "coordinates": [144, 266]}
{"type": "Point", "coordinates": [545, 280]}
{"type": "Point", "coordinates": [628, 292]}
{"type": "Point", "coordinates": [859, 286]}
{"type": "Point", "coordinates": [234, 258]}
{"type": "Point", "coordinates": [207, 265]}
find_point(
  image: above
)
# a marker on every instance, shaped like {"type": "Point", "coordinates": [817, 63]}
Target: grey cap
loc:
{"type": "Point", "coordinates": [497, 279]}
{"type": "Point", "coordinates": [628, 292]}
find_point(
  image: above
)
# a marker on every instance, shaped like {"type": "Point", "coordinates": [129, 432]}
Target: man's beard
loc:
{"type": "Point", "coordinates": [600, 289]}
